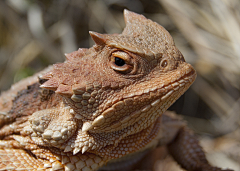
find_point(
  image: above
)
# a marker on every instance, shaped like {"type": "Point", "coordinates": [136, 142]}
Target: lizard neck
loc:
{"type": "Point", "coordinates": [134, 144]}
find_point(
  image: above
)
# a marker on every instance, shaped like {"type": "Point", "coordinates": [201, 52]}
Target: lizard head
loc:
{"type": "Point", "coordinates": [124, 79]}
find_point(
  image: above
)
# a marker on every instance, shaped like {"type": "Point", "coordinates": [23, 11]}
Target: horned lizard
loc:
{"type": "Point", "coordinates": [103, 105]}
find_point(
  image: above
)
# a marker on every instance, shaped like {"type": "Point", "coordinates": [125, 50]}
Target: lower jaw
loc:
{"type": "Point", "coordinates": [149, 140]}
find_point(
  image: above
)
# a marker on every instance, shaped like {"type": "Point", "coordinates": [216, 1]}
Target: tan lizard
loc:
{"type": "Point", "coordinates": [103, 105]}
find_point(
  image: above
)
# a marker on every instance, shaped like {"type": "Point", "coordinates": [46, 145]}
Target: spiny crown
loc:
{"type": "Point", "coordinates": [141, 36]}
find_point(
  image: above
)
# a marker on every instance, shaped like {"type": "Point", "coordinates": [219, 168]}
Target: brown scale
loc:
{"type": "Point", "coordinates": [25, 104]}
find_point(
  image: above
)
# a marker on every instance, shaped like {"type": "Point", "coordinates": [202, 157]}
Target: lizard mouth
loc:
{"type": "Point", "coordinates": [144, 106]}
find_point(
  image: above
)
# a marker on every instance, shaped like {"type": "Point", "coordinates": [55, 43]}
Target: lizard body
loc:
{"type": "Point", "coordinates": [103, 105]}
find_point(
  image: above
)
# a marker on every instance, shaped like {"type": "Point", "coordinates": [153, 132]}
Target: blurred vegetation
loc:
{"type": "Point", "coordinates": [35, 34]}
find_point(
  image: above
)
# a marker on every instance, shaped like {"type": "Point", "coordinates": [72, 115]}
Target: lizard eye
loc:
{"type": "Point", "coordinates": [121, 62]}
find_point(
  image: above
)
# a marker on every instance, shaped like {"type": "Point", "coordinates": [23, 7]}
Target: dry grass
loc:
{"type": "Point", "coordinates": [34, 34]}
{"type": "Point", "coordinates": [211, 29]}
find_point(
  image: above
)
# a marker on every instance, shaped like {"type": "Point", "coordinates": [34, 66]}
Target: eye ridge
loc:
{"type": "Point", "coordinates": [119, 61]}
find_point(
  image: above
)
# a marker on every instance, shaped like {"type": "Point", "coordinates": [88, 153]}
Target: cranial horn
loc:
{"type": "Point", "coordinates": [99, 39]}
{"type": "Point", "coordinates": [130, 17]}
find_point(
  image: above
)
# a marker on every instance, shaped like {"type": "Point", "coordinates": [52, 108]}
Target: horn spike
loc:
{"type": "Point", "coordinates": [99, 39]}
{"type": "Point", "coordinates": [86, 126]}
{"type": "Point", "coordinates": [126, 14]}
{"type": "Point", "coordinates": [51, 84]}
{"type": "Point", "coordinates": [46, 76]}
{"type": "Point", "coordinates": [64, 90]}
{"type": "Point", "coordinates": [76, 150]}
{"type": "Point", "coordinates": [84, 149]}
{"type": "Point", "coordinates": [99, 120]}
{"type": "Point", "coordinates": [130, 16]}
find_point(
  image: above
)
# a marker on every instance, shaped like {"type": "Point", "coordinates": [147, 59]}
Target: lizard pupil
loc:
{"type": "Point", "coordinates": [119, 61]}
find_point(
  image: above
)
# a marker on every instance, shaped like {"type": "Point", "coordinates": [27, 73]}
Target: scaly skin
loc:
{"type": "Point", "coordinates": [103, 105]}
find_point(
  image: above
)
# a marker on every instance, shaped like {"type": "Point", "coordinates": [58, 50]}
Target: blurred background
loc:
{"type": "Point", "coordinates": [35, 34]}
